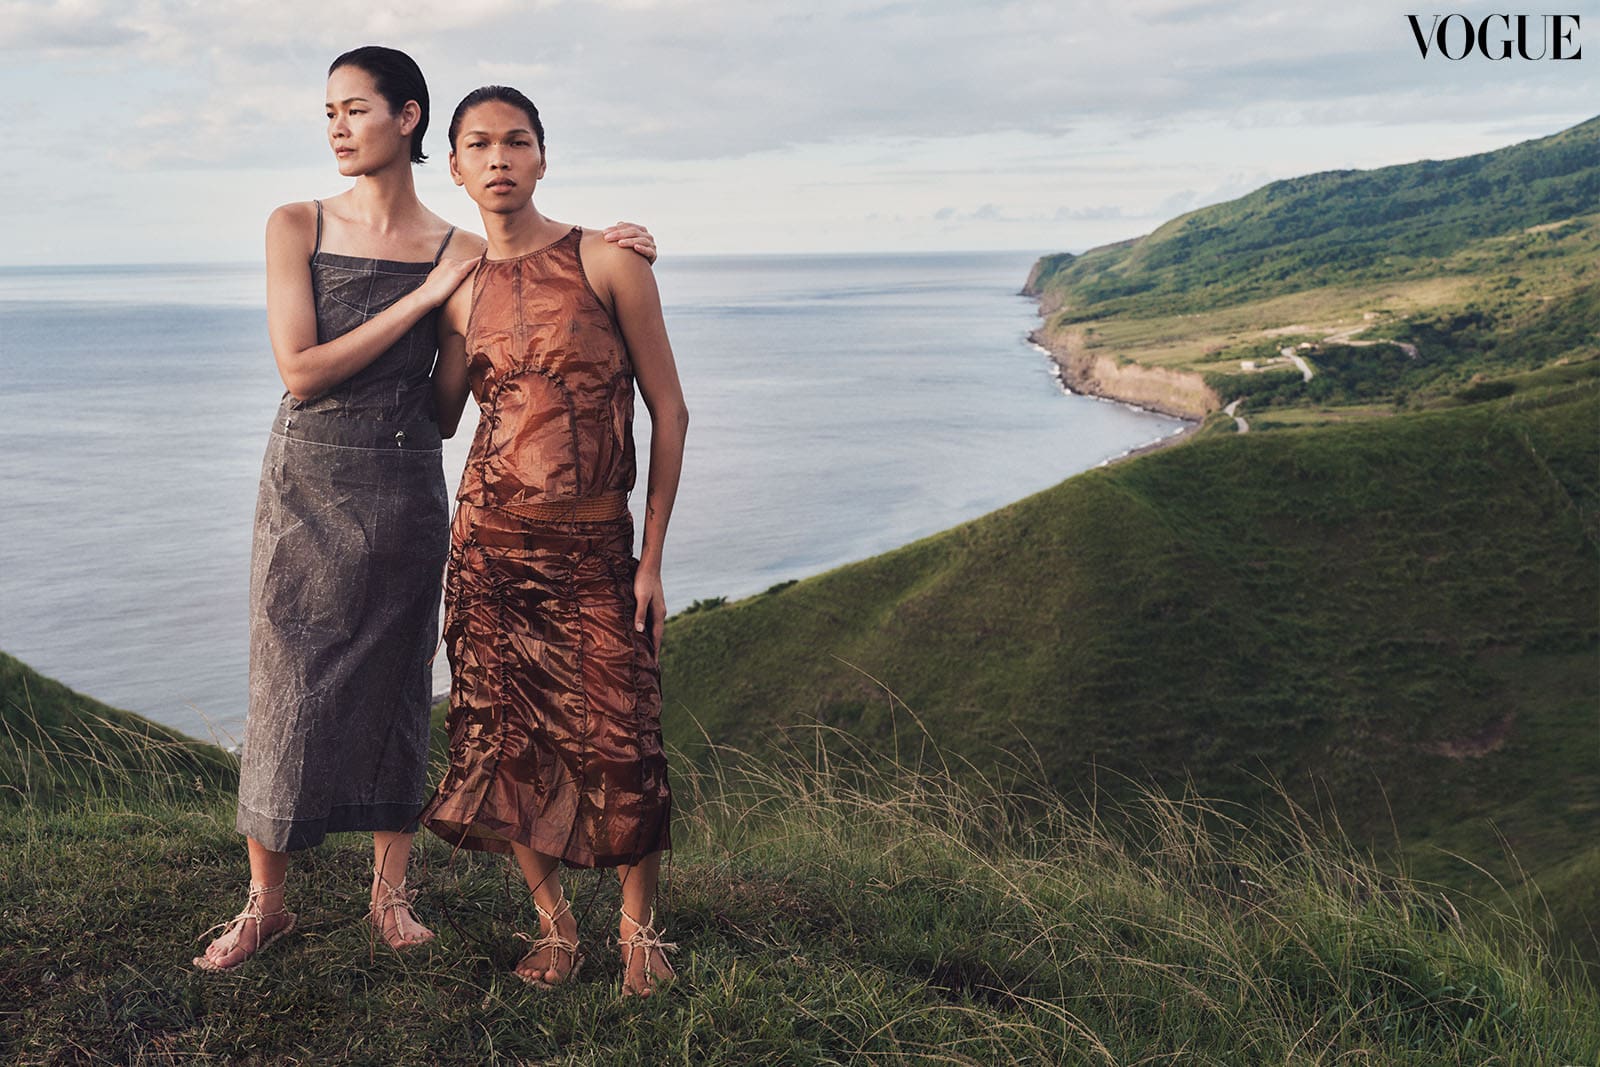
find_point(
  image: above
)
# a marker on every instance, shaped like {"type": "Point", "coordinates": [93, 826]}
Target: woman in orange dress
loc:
{"type": "Point", "coordinates": [551, 625]}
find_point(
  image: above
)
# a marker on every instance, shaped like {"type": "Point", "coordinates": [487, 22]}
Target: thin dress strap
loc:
{"type": "Point", "coordinates": [443, 245]}
{"type": "Point", "coordinates": [318, 246]}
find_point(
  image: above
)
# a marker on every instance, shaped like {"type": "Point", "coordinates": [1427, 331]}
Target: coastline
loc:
{"type": "Point", "coordinates": [1172, 393]}
{"type": "Point", "coordinates": [1072, 381]}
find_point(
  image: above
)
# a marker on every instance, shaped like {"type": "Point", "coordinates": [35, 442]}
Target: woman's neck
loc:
{"type": "Point", "coordinates": [385, 200]}
{"type": "Point", "coordinates": [519, 232]}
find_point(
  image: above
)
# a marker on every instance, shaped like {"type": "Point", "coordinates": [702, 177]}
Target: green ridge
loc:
{"type": "Point", "coordinates": [57, 745]}
{"type": "Point", "coordinates": [1404, 286]}
{"type": "Point", "coordinates": [838, 912]}
{"type": "Point", "coordinates": [1396, 617]}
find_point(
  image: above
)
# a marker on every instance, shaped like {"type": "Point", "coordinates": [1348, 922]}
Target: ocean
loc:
{"type": "Point", "coordinates": [841, 406]}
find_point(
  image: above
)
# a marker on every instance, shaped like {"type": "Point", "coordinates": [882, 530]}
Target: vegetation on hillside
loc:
{"type": "Point", "coordinates": [1404, 285]}
{"type": "Point", "coordinates": [830, 908]}
{"type": "Point", "coordinates": [1337, 228]}
{"type": "Point", "coordinates": [57, 743]}
{"type": "Point", "coordinates": [1395, 618]}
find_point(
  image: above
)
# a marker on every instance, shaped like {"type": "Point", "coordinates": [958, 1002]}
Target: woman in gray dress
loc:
{"type": "Point", "coordinates": [352, 517]}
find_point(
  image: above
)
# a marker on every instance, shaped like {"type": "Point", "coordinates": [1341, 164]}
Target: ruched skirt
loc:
{"type": "Point", "coordinates": [555, 699]}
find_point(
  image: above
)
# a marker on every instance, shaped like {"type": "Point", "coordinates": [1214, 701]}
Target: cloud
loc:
{"type": "Point", "coordinates": [718, 80]}
{"type": "Point", "coordinates": [63, 28]}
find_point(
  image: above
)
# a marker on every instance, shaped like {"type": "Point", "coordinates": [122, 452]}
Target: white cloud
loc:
{"type": "Point", "coordinates": [1055, 122]}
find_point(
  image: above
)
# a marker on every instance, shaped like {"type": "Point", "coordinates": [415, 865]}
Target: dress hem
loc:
{"type": "Point", "coordinates": [294, 835]}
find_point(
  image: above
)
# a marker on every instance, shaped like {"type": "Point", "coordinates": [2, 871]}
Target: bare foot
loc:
{"type": "Point", "coordinates": [391, 915]}
{"type": "Point", "coordinates": [262, 922]}
{"type": "Point", "coordinates": [644, 957]}
{"type": "Point", "coordinates": [554, 957]}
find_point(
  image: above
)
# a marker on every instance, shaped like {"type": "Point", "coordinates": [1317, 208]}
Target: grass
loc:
{"type": "Point", "coordinates": [1397, 613]}
{"type": "Point", "coordinates": [832, 908]}
{"type": "Point", "coordinates": [1484, 264]}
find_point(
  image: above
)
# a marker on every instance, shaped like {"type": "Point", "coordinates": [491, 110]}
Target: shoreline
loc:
{"type": "Point", "coordinates": [1175, 394]}
{"type": "Point", "coordinates": [1064, 376]}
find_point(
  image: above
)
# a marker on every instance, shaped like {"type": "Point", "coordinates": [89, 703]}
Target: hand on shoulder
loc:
{"type": "Point", "coordinates": [465, 244]}
{"type": "Point", "coordinates": [612, 269]}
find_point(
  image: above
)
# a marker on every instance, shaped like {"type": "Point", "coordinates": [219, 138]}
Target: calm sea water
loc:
{"type": "Point", "coordinates": [842, 405]}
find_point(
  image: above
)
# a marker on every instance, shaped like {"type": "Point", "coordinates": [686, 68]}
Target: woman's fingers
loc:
{"type": "Point", "coordinates": [650, 607]}
{"type": "Point", "coordinates": [632, 235]}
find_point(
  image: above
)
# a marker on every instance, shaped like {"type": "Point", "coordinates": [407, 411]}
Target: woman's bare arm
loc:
{"type": "Point", "coordinates": [310, 369]}
{"type": "Point", "coordinates": [450, 386]}
{"type": "Point", "coordinates": [628, 285]}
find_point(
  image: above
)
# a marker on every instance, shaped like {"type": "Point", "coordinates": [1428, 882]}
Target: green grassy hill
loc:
{"type": "Point", "coordinates": [851, 912]}
{"type": "Point", "coordinates": [1395, 618]}
{"type": "Point", "coordinates": [58, 744]}
{"type": "Point", "coordinates": [1337, 227]}
{"type": "Point", "coordinates": [1403, 284]}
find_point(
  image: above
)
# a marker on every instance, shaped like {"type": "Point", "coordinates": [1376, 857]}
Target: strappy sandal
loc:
{"type": "Point", "coordinates": [554, 941]}
{"type": "Point", "coordinates": [645, 936]}
{"type": "Point", "coordinates": [233, 930]}
{"type": "Point", "coordinates": [395, 896]}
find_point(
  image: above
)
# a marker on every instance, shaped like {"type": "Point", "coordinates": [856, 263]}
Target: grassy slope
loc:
{"type": "Point", "coordinates": [1336, 227]}
{"type": "Point", "coordinates": [60, 743]}
{"type": "Point", "coordinates": [1485, 263]}
{"type": "Point", "coordinates": [856, 913]}
{"type": "Point", "coordinates": [1399, 612]}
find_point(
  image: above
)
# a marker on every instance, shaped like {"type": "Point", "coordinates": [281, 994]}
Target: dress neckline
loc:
{"type": "Point", "coordinates": [536, 251]}
{"type": "Point", "coordinates": [375, 259]}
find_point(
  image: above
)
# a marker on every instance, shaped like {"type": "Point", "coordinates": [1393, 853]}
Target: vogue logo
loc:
{"type": "Point", "coordinates": [1499, 36]}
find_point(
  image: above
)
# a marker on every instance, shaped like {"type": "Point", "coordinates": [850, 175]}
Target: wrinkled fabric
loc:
{"type": "Point", "coordinates": [555, 700]}
{"type": "Point", "coordinates": [350, 540]}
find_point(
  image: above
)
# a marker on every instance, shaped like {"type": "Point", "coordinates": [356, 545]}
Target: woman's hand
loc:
{"type": "Point", "coordinates": [443, 280]}
{"type": "Point", "coordinates": [632, 235]}
{"type": "Point", "coordinates": [651, 609]}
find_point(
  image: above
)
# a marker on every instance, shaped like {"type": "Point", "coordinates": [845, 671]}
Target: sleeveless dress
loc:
{"type": "Point", "coordinates": [555, 699]}
{"type": "Point", "coordinates": [349, 544]}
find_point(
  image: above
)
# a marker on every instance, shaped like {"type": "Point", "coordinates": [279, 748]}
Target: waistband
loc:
{"type": "Point", "coordinates": [602, 507]}
{"type": "Point", "coordinates": [350, 432]}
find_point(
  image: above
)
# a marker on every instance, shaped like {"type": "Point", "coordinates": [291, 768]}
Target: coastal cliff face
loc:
{"type": "Point", "coordinates": [1182, 394]}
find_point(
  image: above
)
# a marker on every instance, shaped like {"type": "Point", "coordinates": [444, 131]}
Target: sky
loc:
{"type": "Point", "coordinates": [166, 131]}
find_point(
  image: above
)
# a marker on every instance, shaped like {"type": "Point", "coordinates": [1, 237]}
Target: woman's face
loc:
{"type": "Point", "coordinates": [496, 157]}
{"type": "Point", "coordinates": [364, 134]}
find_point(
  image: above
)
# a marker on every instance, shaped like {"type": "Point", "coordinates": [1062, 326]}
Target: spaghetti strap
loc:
{"type": "Point", "coordinates": [443, 245]}
{"type": "Point", "coordinates": [318, 246]}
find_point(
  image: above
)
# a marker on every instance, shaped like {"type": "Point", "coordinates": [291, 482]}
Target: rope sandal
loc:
{"type": "Point", "coordinates": [233, 930]}
{"type": "Point", "coordinates": [647, 937]}
{"type": "Point", "coordinates": [395, 896]}
{"type": "Point", "coordinates": [554, 941]}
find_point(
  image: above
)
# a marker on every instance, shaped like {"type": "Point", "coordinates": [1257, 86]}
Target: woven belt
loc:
{"type": "Point", "coordinates": [603, 507]}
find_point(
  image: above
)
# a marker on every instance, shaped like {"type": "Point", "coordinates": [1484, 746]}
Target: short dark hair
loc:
{"type": "Point", "coordinates": [506, 95]}
{"type": "Point", "coordinates": [398, 79]}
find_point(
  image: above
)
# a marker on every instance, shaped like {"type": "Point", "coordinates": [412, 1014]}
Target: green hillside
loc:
{"type": "Point", "coordinates": [1401, 285]}
{"type": "Point", "coordinates": [1337, 227]}
{"type": "Point", "coordinates": [846, 912]}
{"type": "Point", "coordinates": [1395, 617]}
{"type": "Point", "coordinates": [57, 746]}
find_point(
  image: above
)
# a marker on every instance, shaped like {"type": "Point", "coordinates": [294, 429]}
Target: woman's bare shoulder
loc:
{"type": "Point", "coordinates": [292, 230]}
{"type": "Point", "coordinates": [464, 244]}
{"type": "Point", "coordinates": [299, 215]}
{"type": "Point", "coordinates": [600, 252]}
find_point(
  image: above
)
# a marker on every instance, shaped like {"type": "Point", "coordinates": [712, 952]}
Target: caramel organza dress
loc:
{"type": "Point", "coordinates": [555, 699]}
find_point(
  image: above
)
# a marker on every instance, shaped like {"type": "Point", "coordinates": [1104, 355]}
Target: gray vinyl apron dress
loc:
{"type": "Point", "coordinates": [351, 534]}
